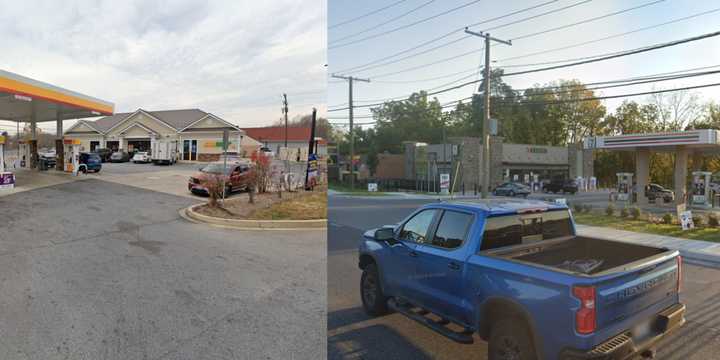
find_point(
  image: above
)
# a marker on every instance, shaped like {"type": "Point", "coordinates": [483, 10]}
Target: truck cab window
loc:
{"type": "Point", "coordinates": [417, 227]}
{"type": "Point", "coordinates": [452, 230]}
{"type": "Point", "coordinates": [508, 230]}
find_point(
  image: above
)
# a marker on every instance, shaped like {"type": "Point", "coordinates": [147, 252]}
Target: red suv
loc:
{"type": "Point", "coordinates": [237, 176]}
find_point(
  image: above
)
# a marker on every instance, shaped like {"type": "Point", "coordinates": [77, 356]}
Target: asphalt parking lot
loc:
{"type": "Point", "coordinates": [101, 270]}
{"type": "Point", "coordinates": [354, 335]}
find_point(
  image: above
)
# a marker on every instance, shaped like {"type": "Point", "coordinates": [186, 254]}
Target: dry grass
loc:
{"type": "Point", "coordinates": [300, 205]}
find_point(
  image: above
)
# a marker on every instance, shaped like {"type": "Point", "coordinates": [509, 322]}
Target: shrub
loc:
{"type": "Point", "coordinates": [624, 213]}
{"type": "Point", "coordinates": [577, 207]}
{"type": "Point", "coordinates": [698, 220]}
{"type": "Point", "coordinates": [635, 212]}
{"type": "Point", "coordinates": [587, 208]}
{"type": "Point", "coordinates": [713, 220]}
{"type": "Point", "coordinates": [610, 210]}
{"type": "Point", "coordinates": [667, 219]}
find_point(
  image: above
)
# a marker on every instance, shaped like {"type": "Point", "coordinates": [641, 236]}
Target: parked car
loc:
{"type": "Point", "coordinates": [561, 185]}
{"type": "Point", "coordinates": [90, 162]}
{"type": "Point", "coordinates": [104, 154]}
{"type": "Point", "coordinates": [237, 176]}
{"type": "Point", "coordinates": [141, 157]}
{"type": "Point", "coordinates": [512, 189]}
{"type": "Point", "coordinates": [655, 191]}
{"type": "Point", "coordinates": [119, 156]}
{"type": "Point", "coordinates": [49, 157]}
{"type": "Point", "coordinates": [516, 272]}
{"type": "Point", "coordinates": [266, 150]}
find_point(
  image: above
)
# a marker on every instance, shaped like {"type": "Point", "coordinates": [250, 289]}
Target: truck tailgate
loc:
{"type": "Point", "coordinates": [629, 293]}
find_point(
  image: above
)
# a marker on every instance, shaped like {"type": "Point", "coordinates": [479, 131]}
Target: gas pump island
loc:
{"type": "Point", "coordinates": [7, 179]}
{"type": "Point", "coordinates": [72, 156]}
{"type": "Point", "coordinates": [701, 189]}
{"type": "Point", "coordinates": [625, 187]}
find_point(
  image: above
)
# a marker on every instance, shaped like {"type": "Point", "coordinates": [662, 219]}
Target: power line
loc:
{"type": "Point", "coordinates": [365, 15]}
{"type": "Point", "coordinates": [556, 49]}
{"type": "Point", "coordinates": [617, 55]}
{"type": "Point", "coordinates": [453, 32]}
{"type": "Point", "coordinates": [383, 23]}
{"type": "Point", "coordinates": [613, 36]}
{"type": "Point", "coordinates": [404, 26]}
{"type": "Point", "coordinates": [585, 21]}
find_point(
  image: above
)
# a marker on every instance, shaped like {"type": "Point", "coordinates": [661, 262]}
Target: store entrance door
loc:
{"type": "Point", "coordinates": [190, 150]}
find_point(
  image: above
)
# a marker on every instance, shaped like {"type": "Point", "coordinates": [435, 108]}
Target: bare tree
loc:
{"type": "Point", "coordinates": [677, 109]}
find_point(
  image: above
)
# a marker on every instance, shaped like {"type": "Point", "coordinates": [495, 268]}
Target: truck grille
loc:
{"type": "Point", "coordinates": [612, 344]}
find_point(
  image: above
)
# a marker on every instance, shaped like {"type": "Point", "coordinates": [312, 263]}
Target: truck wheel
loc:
{"type": "Point", "coordinates": [374, 301]}
{"type": "Point", "coordinates": [510, 339]}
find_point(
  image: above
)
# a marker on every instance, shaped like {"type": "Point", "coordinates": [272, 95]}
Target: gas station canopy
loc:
{"type": "Point", "coordinates": [27, 100]}
{"type": "Point", "coordinates": [705, 140]}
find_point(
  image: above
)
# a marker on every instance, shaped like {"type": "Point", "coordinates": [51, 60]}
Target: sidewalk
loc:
{"type": "Point", "coordinates": [704, 252]}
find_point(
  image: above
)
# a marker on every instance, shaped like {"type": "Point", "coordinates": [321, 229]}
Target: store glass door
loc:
{"type": "Point", "coordinates": [190, 150]}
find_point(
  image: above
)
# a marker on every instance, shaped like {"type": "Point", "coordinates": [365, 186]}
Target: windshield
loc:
{"type": "Point", "coordinates": [216, 169]}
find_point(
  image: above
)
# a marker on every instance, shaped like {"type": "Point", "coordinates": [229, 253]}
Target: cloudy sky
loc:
{"type": "Point", "coordinates": [230, 58]}
{"type": "Point", "coordinates": [620, 25]}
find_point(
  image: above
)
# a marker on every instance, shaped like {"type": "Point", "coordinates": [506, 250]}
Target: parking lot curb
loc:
{"type": "Point", "coordinates": [190, 214]}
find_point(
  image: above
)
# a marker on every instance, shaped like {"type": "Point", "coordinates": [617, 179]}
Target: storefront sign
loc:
{"type": "Point", "coordinates": [537, 150]}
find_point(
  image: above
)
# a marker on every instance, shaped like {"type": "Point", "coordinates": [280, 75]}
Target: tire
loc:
{"type": "Point", "coordinates": [373, 299]}
{"type": "Point", "coordinates": [510, 339]}
{"type": "Point", "coordinates": [228, 190]}
{"type": "Point", "coordinates": [511, 193]}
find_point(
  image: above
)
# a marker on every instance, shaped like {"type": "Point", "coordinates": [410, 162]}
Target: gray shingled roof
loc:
{"type": "Point", "coordinates": [178, 119]}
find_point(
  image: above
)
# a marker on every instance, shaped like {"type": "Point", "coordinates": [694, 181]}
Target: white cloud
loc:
{"type": "Point", "coordinates": [231, 58]}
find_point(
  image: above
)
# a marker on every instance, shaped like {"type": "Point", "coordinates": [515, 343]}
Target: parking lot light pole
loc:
{"type": "Point", "coordinates": [486, 110]}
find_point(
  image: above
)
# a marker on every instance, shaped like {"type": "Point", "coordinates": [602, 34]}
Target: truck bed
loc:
{"type": "Point", "coordinates": [579, 254]}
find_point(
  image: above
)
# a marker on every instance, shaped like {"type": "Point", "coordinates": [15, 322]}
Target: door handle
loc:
{"type": "Point", "coordinates": [454, 266]}
{"type": "Point", "coordinates": [413, 254]}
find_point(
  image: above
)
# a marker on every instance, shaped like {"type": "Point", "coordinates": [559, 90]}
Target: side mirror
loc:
{"type": "Point", "coordinates": [385, 234]}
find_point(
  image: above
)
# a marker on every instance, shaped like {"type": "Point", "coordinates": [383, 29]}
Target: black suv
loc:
{"type": "Point", "coordinates": [560, 185]}
{"type": "Point", "coordinates": [655, 191]}
{"type": "Point", "coordinates": [104, 154]}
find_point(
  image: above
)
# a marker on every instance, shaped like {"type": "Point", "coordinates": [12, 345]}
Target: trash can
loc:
{"type": "Point", "coordinates": [42, 164]}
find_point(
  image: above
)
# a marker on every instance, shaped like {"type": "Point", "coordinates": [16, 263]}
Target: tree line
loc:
{"type": "Point", "coordinates": [557, 114]}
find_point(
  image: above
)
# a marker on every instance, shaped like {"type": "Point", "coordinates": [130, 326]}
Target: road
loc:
{"type": "Point", "coordinates": [100, 270]}
{"type": "Point", "coordinates": [354, 335]}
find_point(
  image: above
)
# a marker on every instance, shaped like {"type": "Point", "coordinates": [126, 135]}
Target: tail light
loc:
{"type": "Point", "coordinates": [679, 273]}
{"type": "Point", "coordinates": [585, 316]}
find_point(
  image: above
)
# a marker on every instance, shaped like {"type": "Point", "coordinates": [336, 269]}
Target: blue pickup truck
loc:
{"type": "Point", "coordinates": [516, 273]}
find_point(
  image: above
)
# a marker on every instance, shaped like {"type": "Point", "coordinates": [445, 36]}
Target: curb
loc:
{"type": "Point", "coordinates": [192, 215]}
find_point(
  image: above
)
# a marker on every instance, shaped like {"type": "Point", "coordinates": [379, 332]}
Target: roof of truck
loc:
{"type": "Point", "coordinates": [503, 205]}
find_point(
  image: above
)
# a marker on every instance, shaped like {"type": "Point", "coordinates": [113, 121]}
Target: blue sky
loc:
{"type": "Point", "coordinates": [697, 54]}
{"type": "Point", "coordinates": [231, 58]}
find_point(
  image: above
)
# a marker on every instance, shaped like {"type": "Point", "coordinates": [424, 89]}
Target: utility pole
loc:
{"type": "Point", "coordinates": [285, 111]}
{"type": "Point", "coordinates": [486, 110]}
{"type": "Point", "coordinates": [350, 80]}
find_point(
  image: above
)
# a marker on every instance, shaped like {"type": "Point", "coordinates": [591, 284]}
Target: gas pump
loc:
{"type": "Point", "coordinates": [7, 179]}
{"type": "Point", "coordinates": [624, 186]}
{"type": "Point", "coordinates": [701, 188]}
{"type": "Point", "coordinates": [24, 154]}
{"type": "Point", "coordinates": [72, 155]}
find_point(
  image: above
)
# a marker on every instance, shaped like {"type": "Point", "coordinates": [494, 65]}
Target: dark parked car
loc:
{"type": "Point", "coordinates": [119, 156]}
{"type": "Point", "coordinates": [90, 162]}
{"type": "Point", "coordinates": [655, 191]}
{"type": "Point", "coordinates": [512, 189]}
{"type": "Point", "coordinates": [560, 185]}
{"type": "Point", "coordinates": [104, 154]}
